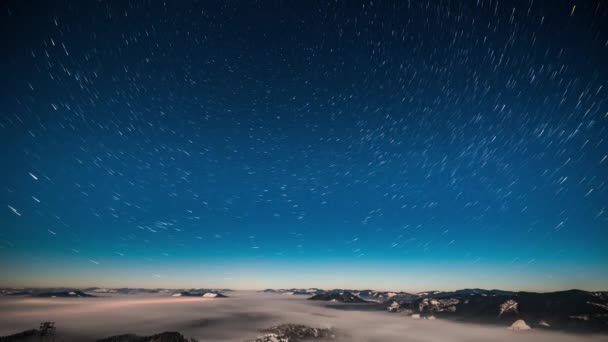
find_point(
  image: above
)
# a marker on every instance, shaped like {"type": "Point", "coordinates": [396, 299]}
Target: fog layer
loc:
{"type": "Point", "coordinates": [240, 318]}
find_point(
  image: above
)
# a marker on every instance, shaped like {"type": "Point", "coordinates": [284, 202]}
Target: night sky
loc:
{"type": "Point", "coordinates": [388, 144]}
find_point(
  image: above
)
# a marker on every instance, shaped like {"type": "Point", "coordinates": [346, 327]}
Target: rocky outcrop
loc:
{"type": "Point", "coordinates": [293, 333]}
{"type": "Point", "coordinates": [564, 310]}
{"type": "Point", "coordinates": [342, 297]}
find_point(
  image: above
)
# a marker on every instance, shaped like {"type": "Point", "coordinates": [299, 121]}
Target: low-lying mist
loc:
{"type": "Point", "coordinates": [240, 318]}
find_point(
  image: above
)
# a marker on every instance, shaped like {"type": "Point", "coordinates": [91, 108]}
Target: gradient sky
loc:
{"type": "Point", "coordinates": [392, 145]}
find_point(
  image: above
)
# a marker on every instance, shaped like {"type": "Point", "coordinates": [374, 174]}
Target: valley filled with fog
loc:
{"type": "Point", "coordinates": [241, 317]}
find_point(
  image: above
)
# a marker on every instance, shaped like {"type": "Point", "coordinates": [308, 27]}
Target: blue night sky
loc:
{"type": "Point", "coordinates": [394, 145]}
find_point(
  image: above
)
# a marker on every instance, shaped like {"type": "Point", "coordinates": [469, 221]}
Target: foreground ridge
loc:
{"type": "Point", "coordinates": [293, 333]}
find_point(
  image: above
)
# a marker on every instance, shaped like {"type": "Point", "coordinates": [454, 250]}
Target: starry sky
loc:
{"type": "Point", "coordinates": [409, 145]}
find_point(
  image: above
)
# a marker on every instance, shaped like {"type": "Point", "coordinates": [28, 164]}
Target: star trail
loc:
{"type": "Point", "coordinates": [401, 144]}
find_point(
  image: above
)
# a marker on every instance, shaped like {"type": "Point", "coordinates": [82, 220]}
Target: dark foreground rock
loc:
{"type": "Point", "coordinates": [46, 330]}
{"type": "Point", "coordinates": [36, 335]}
{"type": "Point", "coordinates": [28, 335]}
{"type": "Point", "coordinates": [168, 336]}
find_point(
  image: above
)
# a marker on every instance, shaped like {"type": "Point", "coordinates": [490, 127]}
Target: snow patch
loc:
{"type": "Point", "coordinates": [603, 306]}
{"type": "Point", "coordinates": [519, 325]}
